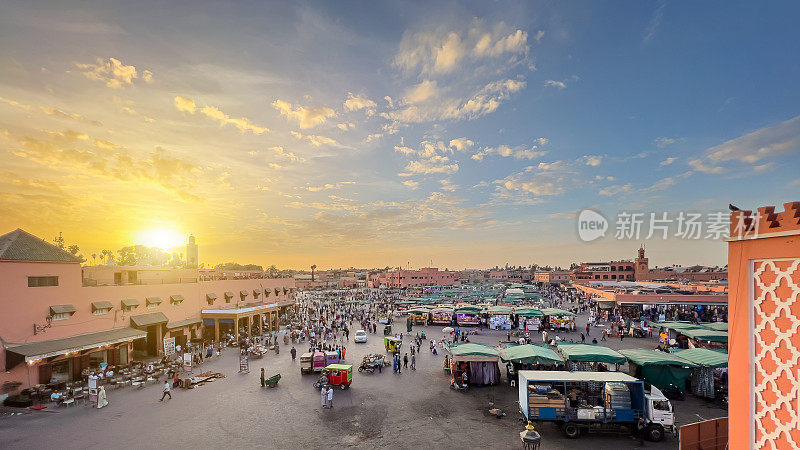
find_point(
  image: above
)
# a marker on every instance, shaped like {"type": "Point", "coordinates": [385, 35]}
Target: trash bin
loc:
{"type": "Point", "coordinates": [387, 330]}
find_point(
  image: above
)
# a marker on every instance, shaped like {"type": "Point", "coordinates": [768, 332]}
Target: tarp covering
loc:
{"type": "Point", "coordinates": [703, 356]}
{"type": "Point", "coordinates": [719, 326]}
{"type": "Point", "coordinates": [500, 310]}
{"type": "Point", "coordinates": [590, 352]}
{"type": "Point", "coordinates": [530, 354]}
{"type": "Point", "coordinates": [678, 326]}
{"type": "Point", "coordinates": [468, 310]}
{"type": "Point", "coordinates": [644, 357]}
{"type": "Point", "coordinates": [663, 377]}
{"type": "Point", "coordinates": [705, 334]}
{"type": "Point", "coordinates": [525, 311]}
{"type": "Point", "coordinates": [418, 310]}
{"type": "Point", "coordinates": [556, 312]}
{"type": "Point", "coordinates": [473, 350]}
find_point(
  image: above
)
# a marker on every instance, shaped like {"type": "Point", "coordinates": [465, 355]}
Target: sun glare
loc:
{"type": "Point", "coordinates": [161, 238]}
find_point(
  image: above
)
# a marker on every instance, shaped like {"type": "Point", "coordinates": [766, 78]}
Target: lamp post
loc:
{"type": "Point", "coordinates": [531, 439]}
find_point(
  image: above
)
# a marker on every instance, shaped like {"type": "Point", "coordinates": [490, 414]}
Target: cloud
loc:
{"type": "Point", "coordinates": [616, 190]}
{"type": "Point", "coordinates": [184, 104]}
{"type": "Point", "coordinates": [668, 161]}
{"type": "Point", "coordinates": [421, 92]}
{"type": "Point", "coordinates": [518, 152]}
{"type": "Point", "coordinates": [275, 166]}
{"type": "Point", "coordinates": [484, 101]}
{"type": "Point", "coordinates": [328, 186]}
{"type": "Point", "coordinates": [147, 76]}
{"type": "Point", "coordinates": [441, 51]}
{"type": "Point", "coordinates": [345, 126]}
{"type": "Point", "coordinates": [316, 140]}
{"type": "Point", "coordinates": [700, 166]}
{"type": "Point", "coordinates": [435, 164]}
{"type": "Point", "coordinates": [461, 144]}
{"type": "Point", "coordinates": [411, 183]}
{"type": "Point", "coordinates": [50, 111]}
{"type": "Point", "coordinates": [104, 159]}
{"type": "Point", "coordinates": [305, 117]}
{"type": "Point", "coordinates": [283, 153]}
{"type": "Point", "coordinates": [358, 102]}
{"type": "Point", "coordinates": [533, 184]}
{"type": "Point", "coordinates": [592, 160]}
{"type": "Point", "coordinates": [554, 83]}
{"type": "Point", "coordinates": [766, 142]}
{"type": "Point", "coordinates": [112, 72]}
{"type": "Point", "coordinates": [447, 185]}
{"type": "Point", "coordinates": [244, 124]}
{"type": "Point", "coordinates": [538, 36]}
{"type": "Point", "coordinates": [655, 22]}
{"type": "Point", "coordinates": [662, 142]}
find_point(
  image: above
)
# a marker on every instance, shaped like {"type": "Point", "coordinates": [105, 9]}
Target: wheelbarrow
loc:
{"type": "Point", "coordinates": [272, 381]}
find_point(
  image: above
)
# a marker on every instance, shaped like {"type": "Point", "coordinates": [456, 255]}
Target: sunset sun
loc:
{"type": "Point", "coordinates": [160, 237]}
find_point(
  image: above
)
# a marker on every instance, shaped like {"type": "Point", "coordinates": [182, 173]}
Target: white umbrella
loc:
{"type": "Point", "coordinates": [447, 330]}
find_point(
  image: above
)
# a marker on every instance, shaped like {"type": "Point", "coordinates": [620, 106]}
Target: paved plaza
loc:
{"type": "Point", "coordinates": [415, 409]}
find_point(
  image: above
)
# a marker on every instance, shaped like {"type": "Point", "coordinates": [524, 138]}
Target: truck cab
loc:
{"type": "Point", "coordinates": [660, 417]}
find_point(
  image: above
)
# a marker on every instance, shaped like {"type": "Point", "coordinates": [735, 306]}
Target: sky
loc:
{"type": "Point", "coordinates": [452, 134]}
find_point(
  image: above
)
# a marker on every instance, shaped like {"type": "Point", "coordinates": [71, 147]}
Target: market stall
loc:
{"type": "Point", "coordinates": [419, 315]}
{"type": "Point", "coordinates": [559, 319]}
{"type": "Point", "coordinates": [663, 370]}
{"type": "Point", "coordinates": [500, 317]}
{"type": "Point", "coordinates": [468, 315]}
{"type": "Point", "coordinates": [589, 357]}
{"type": "Point", "coordinates": [528, 318]}
{"type": "Point", "coordinates": [703, 381]}
{"type": "Point", "coordinates": [479, 361]}
{"type": "Point", "coordinates": [442, 315]}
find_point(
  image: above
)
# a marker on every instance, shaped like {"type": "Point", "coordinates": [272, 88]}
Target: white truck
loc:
{"type": "Point", "coordinates": [595, 402]}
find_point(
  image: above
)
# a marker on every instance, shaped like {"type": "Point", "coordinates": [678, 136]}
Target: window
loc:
{"type": "Point", "coordinates": [61, 316]}
{"type": "Point", "coordinates": [100, 312]}
{"type": "Point", "coordinates": [152, 305]}
{"type": "Point", "coordinates": [42, 281]}
{"type": "Point", "coordinates": [661, 406]}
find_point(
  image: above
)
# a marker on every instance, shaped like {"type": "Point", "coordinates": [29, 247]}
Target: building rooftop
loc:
{"type": "Point", "coordinates": [20, 245]}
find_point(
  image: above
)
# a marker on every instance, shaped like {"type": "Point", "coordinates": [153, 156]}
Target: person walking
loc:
{"type": "Point", "coordinates": [166, 390]}
{"type": "Point", "coordinates": [293, 351]}
{"type": "Point", "coordinates": [413, 362]}
{"type": "Point", "coordinates": [323, 392]}
{"type": "Point", "coordinates": [330, 397]}
{"type": "Point", "coordinates": [587, 329]}
{"type": "Point", "coordinates": [583, 339]}
{"type": "Point", "coordinates": [405, 361]}
{"type": "Point", "coordinates": [544, 336]}
{"type": "Point", "coordinates": [262, 377]}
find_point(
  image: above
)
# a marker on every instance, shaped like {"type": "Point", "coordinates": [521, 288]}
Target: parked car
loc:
{"type": "Point", "coordinates": [361, 337]}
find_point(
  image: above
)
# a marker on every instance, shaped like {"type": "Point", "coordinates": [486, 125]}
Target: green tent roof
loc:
{"type": "Point", "coordinates": [526, 311]}
{"type": "Point", "coordinates": [590, 352]}
{"type": "Point", "coordinates": [556, 312]}
{"type": "Point", "coordinates": [678, 326]}
{"type": "Point", "coordinates": [719, 326]}
{"type": "Point", "coordinates": [705, 334]}
{"type": "Point", "coordinates": [473, 350]}
{"type": "Point", "coordinates": [644, 357]}
{"type": "Point", "coordinates": [530, 354]}
{"type": "Point", "coordinates": [500, 309]}
{"type": "Point", "coordinates": [418, 310]}
{"type": "Point", "coordinates": [703, 356]}
{"type": "Point", "coordinates": [468, 310]}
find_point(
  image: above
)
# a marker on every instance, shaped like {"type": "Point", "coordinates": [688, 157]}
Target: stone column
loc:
{"type": "Point", "coordinates": [236, 328]}
{"type": "Point", "coordinates": [216, 330]}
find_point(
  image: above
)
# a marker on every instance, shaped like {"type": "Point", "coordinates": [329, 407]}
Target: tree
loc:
{"type": "Point", "coordinates": [94, 259]}
{"type": "Point", "coordinates": [59, 241]}
{"type": "Point", "coordinates": [107, 255]}
{"type": "Point", "coordinates": [74, 249]}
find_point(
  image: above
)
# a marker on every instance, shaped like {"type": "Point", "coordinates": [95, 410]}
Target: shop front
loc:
{"type": "Point", "coordinates": [153, 325]}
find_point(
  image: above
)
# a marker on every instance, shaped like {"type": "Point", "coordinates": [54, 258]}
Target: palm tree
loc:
{"type": "Point", "coordinates": [313, 266]}
{"type": "Point", "coordinates": [94, 257]}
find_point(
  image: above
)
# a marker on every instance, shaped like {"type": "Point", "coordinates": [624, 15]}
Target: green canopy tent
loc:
{"type": "Point", "coordinates": [418, 310]}
{"type": "Point", "coordinates": [660, 369]}
{"type": "Point", "coordinates": [462, 351]}
{"type": "Point", "coordinates": [705, 334]}
{"type": "Point", "coordinates": [718, 326]}
{"type": "Point", "coordinates": [590, 353]}
{"type": "Point", "coordinates": [501, 310]}
{"type": "Point", "coordinates": [703, 376]}
{"type": "Point", "coordinates": [530, 354]}
{"type": "Point", "coordinates": [480, 362]}
{"type": "Point", "coordinates": [525, 311]}
{"type": "Point", "coordinates": [556, 312]}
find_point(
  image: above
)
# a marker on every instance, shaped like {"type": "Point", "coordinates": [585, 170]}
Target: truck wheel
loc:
{"type": "Point", "coordinates": [571, 431]}
{"type": "Point", "coordinates": [655, 433]}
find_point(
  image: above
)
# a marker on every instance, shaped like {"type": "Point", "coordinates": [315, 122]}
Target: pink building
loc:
{"type": "Point", "coordinates": [427, 276]}
{"type": "Point", "coordinates": [56, 323]}
{"type": "Point", "coordinates": [553, 276]}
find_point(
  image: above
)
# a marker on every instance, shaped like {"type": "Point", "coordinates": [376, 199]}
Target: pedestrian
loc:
{"type": "Point", "coordinates": [405, 361]}
{"type": "Point", "coordinates": [166, 390]}
{"type": "Point", "coordinates": [587, 329]}
{"type": "Point", "coordinates": [262, 377]}
{"type": "Point", "coordinates": [432, 345]}
{"type": "Point", "coordinates": [605, 332]}
{"type": "Point", "coordinates": [583, 339]}
{"type": "Point", "coordinates": [293, 351]}
{"type": "Point", "coordinates": [323, 392]}
{"type": "Point", "coordinates": [544, 336]}
{"type": "Point", "coordinates": [330, 397]}
{"type": "Point", "coordinates": [413, 362]}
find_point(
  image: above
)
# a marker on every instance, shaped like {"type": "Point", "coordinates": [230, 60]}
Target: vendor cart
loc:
{"type": "Point", "coordinates": [392, 344]}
